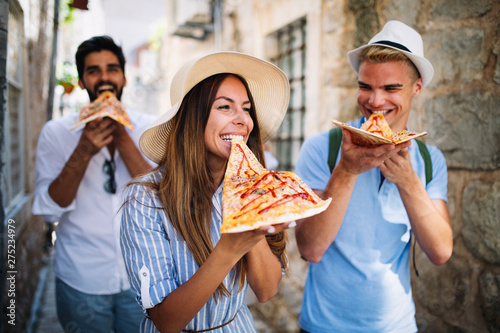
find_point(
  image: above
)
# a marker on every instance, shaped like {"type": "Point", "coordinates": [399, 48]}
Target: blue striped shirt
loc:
{"type": "Point", "coordinates": [158, 260]}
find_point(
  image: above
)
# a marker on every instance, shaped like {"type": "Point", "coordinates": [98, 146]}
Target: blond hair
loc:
{"type": "Point", "coordinates": [379, 54]}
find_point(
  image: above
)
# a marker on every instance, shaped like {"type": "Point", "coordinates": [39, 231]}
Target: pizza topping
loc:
{"type": "Point", "coordinates": [106, 105]}
{"type": "Point", "coordinates": [271, 183]}
{"type": "Point", "coordinates": [254, 196]}
{"type": "Point", "coordinates": [377, 125]}
{"type": "Point", "coordinates": [248, 171]}
{"type": "Point", "coordinates": [402, 135]}
{"type": "Point", "coordinates": [286, 198]}
{"type": "Point", "coordinates": [376, 131]}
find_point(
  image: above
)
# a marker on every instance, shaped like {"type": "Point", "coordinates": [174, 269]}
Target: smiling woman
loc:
{"type": "Point", "coordinates": [187, 276]}
{"type": "Point", "coordinates": [229, 117]}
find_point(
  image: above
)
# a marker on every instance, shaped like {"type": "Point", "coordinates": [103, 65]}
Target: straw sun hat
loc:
{"type": "Point", "coordinates": [267, 83]}
{"type": "Point", "coordinates": [397, 35]}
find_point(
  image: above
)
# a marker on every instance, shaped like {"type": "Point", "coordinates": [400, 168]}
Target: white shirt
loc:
{"type": "Point", "coordinates": [87, 250]}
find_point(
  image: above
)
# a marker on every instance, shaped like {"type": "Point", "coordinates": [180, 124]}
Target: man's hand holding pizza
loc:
{"type": "Point", "coordinates": [398, 169]}
{"type": "Point", "coordinates": [321, 230]}
{"type": "Point", "coordinates": [357, 159]}
{"type": "Point", "coordinates": [95, 135]}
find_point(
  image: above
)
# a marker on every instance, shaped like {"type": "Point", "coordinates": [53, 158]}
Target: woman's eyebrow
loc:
{"type": "Point", "coordinates": [230, 99]}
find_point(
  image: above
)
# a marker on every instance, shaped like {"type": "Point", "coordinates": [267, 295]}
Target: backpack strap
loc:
{"type": "Point", "coordinates": [427, 160]}
{"type": "Point", "coordinates": [335, 138]}
{"type": "Point", "coordinates": [424, 152]}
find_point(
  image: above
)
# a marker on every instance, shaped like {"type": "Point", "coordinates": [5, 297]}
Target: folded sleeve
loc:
{"type": "Point", "coordinates": [50, 160]}
{"type": "Point", "coordinates": [146, 248]}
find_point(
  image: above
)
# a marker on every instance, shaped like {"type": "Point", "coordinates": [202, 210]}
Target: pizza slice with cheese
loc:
{"type": "Point", "coordinates": [254, 196]}
{"type": "Point", "coordinates": [106, 105]}
{"type": "Point", "coordinates": [376, 131]}
{"type": "Point", "coordinates": [377, 125]}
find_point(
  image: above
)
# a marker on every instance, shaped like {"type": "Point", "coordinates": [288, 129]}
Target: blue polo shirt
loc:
{"type": "Point", "coordinates": [362, 283]}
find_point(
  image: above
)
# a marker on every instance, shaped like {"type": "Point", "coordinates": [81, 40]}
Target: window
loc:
{"type": "Point", "coordinates": [291, 58]}
{"type": "Point", "coordinates": [14, 117]}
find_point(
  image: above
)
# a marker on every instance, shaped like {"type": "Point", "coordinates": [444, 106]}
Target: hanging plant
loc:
{"type": "Point", "coordinates": [67, 77]}
{"type": "Point", "coordinates": [66, 12]}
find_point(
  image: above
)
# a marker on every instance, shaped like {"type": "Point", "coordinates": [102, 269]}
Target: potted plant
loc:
{"type": "Point", "coordinates": [67, 77]}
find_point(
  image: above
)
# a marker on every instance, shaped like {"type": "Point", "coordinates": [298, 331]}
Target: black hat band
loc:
{"type": "Point", "coordinates": [396, 45]}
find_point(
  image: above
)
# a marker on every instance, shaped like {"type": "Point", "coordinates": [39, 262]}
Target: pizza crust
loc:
{"type": "Point", "coordinates": [283, 218]}
{"type": "Point", "coordinates": [364, 138]}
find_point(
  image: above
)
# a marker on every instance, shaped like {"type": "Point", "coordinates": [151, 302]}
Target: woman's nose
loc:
{"type": "Point", "coordinates": [242, 117]}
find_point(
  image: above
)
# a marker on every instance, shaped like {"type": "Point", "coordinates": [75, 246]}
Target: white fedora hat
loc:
{"type": "Point", "coordinates": [267, 83]}
{"type": "Point", "coordinates": [397, 35]}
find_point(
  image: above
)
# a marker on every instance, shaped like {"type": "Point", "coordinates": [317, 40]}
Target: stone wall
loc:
{"type": "Point", "coordinates": [460, 111]}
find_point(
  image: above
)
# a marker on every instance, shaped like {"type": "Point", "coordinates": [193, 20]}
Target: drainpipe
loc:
{"type": "Point", "coordinates": [218, 25]}
{"type": "Point", "coordinates": [53, 59]}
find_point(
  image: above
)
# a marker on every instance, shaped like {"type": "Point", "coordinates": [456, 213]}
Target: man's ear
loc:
{"type": "Point", "coordinates": [417, 87]}
{"type": "Point", "coordinates": [80, 84]}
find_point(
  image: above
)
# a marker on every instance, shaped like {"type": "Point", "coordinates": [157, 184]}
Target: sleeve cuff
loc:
{"type": "Point", "coordinates": [46, 207]}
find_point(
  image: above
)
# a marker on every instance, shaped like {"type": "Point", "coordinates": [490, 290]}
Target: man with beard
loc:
{"type": "Point", "coordinates": [79, 177]}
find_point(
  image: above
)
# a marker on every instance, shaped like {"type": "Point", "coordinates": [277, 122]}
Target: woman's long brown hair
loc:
{"type": "Point", "coordinates": [187, 186]}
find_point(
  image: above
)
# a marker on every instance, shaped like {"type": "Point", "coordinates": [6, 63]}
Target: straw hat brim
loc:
{"type": "Point", "coordinates": [267, 83]}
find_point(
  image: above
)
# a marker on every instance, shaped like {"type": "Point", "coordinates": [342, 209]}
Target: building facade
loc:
{"type": "Point", "coordinates": [27, 33]}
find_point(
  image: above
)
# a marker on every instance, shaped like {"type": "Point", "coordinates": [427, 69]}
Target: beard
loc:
{"type": "Point", "coordinates": [93, 93]}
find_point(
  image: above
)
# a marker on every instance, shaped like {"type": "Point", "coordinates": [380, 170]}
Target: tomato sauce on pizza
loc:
{"type": "Point", "coordinates": [254, 196]}
{"type": "Point", "coordinates": [106, 105]}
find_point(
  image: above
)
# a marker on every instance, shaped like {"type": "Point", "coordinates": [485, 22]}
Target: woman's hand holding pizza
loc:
{"type": "Point", "coordinates": [275, 228]}
{"type": "Point", "coordinates": [240, 243]}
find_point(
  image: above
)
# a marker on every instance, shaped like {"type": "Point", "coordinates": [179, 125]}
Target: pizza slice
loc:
{"type": "Point", "coordinates": [376, 131]}
{"type": "Point", "coordinates": [377, 125]}
{"type": "Point", "coordinates": [254, 196]}
{"type": "Point", "coordinates": [404, 135]}
{"type": "Point", "coordinates": [106, 105]}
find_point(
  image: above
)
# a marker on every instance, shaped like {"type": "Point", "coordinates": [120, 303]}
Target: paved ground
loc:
{"type": "Point", "coordinates": [45, 319]}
